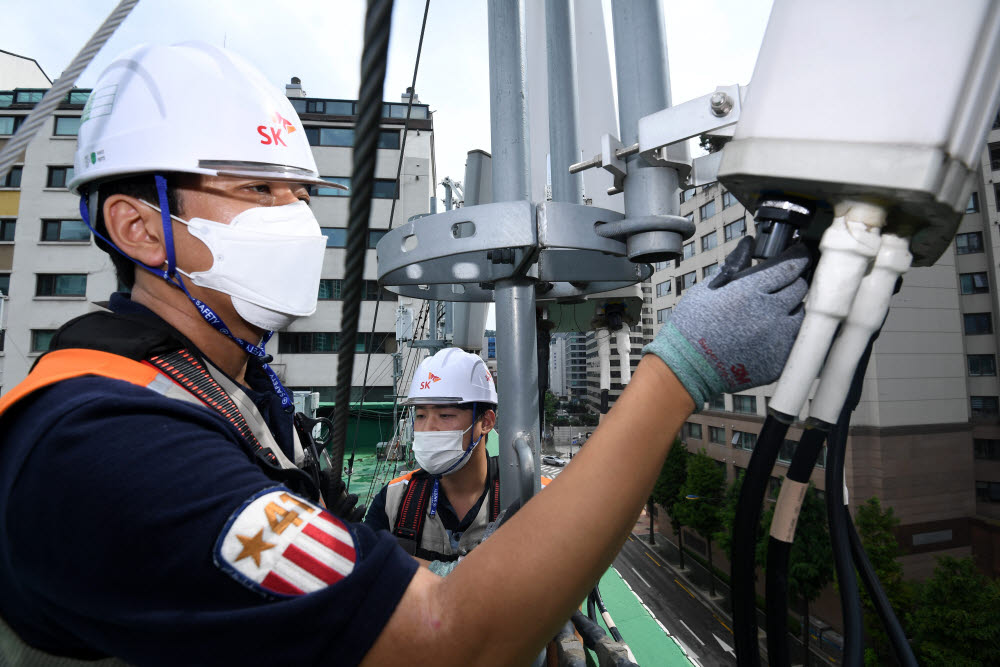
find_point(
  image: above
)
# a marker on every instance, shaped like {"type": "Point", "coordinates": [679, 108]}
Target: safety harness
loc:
{"type": "Point", "coordinates": [409, 528]}
{"type": "Point", "coordinates": [146, 359]}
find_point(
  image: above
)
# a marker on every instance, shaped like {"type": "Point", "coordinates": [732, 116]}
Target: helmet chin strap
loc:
{"type": "Point", "coordinates": [172, 276]}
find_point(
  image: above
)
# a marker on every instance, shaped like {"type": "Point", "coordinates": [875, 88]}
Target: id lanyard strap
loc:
{"type": "Point", "coordinates": [174, 278]}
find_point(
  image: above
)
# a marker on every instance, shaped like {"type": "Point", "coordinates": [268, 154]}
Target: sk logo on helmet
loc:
{"type": "Point", "coordinates": [426, 384]}
{"type": "Point", "coordinates": [272, 134]}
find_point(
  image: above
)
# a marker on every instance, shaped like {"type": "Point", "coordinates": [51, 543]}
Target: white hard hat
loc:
{"type": "Point", "coordinates": [192, 108]}
{"type": "Point", "coordinates": [450, 377]}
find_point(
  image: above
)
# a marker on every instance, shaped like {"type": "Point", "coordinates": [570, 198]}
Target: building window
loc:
{"type": "Point", "coordinates": [388, 139]}
{"type": "Point", "coordinates": [67, 126]}
{"type": "Point", "coordinates": [330, 136]}
{"type": "Point", "coordinates": [5, 284]}
{"type": "Point", "coordinates": [59, 177]}
{"type": "Point", "coordinates": [988, 492]}
{"type": "Point", "coordinates": [662, 315]}
{"type": "Point", "coordinates": [61, 284]}
{"type": "Point", "coordinates": [13, 178]}
{"type": "Point", "coordinates": [973, 205]}
{"type": "Point", "coordinates": [974, 283]}
{"type": "Point", "coordinates": [745, 404]}
{"type": "Point", "coordinates": [707, 210]}
{"type": "Point", "coordinates": [978, 323]}
{"type": "Point", "coordinates": [685, 195]}
{"type": "Point", "coordinates": [984, 406]}
{"type": "Point", "coordinates": [717, 403]}
{"type": "Point", "coordinates": [9, 124]}
{"type": "Point", "coordinates": [320, 191]}
{"type": "Point", "coordinates": [7, 229]}
{"type": "Point", "coordinates": [307, 342]}
{"type": "Point", "coordinates": [744, 440]}
{"type": "Point", "coordinates": [987, 450]}
{"type": "Point", "coordinates": [65, 231]}
{"type": "Point", "coordinates": [995, 156]}
{"type": "Point", "coordinates": [710, 270]}
{"type": "Point", "coordinates": [728, 199]}
{"type": "Point", "coordinates": [982, 364]}
{"type": "Point", "coordinates": [689, 217]}
{"type": "Point", "coordinates": [686, 281]}
{"type": "Point", "coordinates": [692, 430]}
{"type": "Point", "coordinates": [735, 229]}
{"type": "Point", "coordinates": [969, 243]}
{"type": "Point", "coordinates": [331, 289]}
{"type": "Point", "coordinates": [385, 188]}
{"type": "Point", "coordinates": [374, 236]}
{"type": "Point", "coordinates": [687, 250]}
{"type": "Point", "coordinates": [709, 241]}
{"type": "Point", "coordinates": [717, 435]}
{"type": "Point", "coordinates": [787, 451]}
{"type": "Point", "coordinates": [659, 266]}
{"type": "Point", "coordinates": [28, 96]}
{"type": "Point", "coordinates": [41, 339]}
{"type": "Point", "coordinates": [336, 237]}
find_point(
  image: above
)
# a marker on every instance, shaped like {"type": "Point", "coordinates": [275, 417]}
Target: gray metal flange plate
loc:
{"type": "Point", "coordinates": [458, 255]}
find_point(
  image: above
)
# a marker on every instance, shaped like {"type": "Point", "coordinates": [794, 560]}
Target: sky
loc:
{"type": "Point", "coordinates": [709, 42]}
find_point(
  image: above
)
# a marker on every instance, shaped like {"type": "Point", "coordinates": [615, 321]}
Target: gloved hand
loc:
{"type": "Point", "coordinates": [339, 502]}
{"type": "Point", "coordinates": [736, 331]}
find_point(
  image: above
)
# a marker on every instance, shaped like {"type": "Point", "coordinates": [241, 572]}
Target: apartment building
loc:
{"type": "Point", "coordinates": [925, 438]}
{"type": "Point", "coordinates": [51, 270]}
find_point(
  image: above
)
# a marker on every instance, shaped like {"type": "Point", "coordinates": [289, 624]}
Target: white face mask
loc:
{"type": "Point", "coordinates": [268, 259]}
{"type": "Point", "coordinates": [442, 452]}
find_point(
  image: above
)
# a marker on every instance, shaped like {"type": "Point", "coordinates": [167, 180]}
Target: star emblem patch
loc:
{"type": "Point", "coordinates": [281, 544]}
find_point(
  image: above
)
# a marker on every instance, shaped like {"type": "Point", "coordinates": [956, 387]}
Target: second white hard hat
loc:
{"type": "Point", "coordinates": [450, 377]}
{"type": "Point", "coordinates": [191, 108]}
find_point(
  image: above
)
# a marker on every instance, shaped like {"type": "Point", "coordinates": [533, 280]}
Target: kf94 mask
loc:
{"type": "Point", "coordinates": [441, 452]}
{"type": "Point", "coordinates": [268, 259]}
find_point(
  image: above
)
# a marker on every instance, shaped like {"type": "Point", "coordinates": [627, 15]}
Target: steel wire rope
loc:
{"type": "Point", "coordinates": [410, 357]}
{"type": "Point", "coordinates": [52, 98]}
{"type": "Point", "coordinates": [378, 20]}
{"type": "Point", "coordinates": [392, 210]}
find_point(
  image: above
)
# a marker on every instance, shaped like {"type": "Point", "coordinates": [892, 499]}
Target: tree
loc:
{"type": "Point", "coordinates": [727, 513]}
{"type": "Point", "coordinates": [810, 562]}
{"type": "Point", "coordinates": [875, 527]}
{"type": "Point", "coordinates": [551, 405]}
{"type": "Point", "coordinates": [668, 486]}
{"type": "Point", "coordinates": [698, 504]}
{"type": "Point", "coordinates": [955, 619]}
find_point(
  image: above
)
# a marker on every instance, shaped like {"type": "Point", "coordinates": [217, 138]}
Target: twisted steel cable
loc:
{"type": "Point", "coordinates": [373, 65]}
{"type": "Point", "coordinates": [52, 98]}
{"type": "Point", "coordinates": [392, 213]}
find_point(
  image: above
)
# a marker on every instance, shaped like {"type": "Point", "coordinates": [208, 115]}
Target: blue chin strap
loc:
{"type": "Point", "coordinates": [174, 278]}
{"type": "Point", "coordinates": [456, 464]}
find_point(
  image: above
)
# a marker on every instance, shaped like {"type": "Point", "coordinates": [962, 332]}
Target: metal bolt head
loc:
{"type": "Point", "coordinates": [721, 104]}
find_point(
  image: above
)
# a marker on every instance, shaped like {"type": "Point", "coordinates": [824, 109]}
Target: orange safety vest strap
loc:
{"type": "Point", "coordinates": [76, 362]}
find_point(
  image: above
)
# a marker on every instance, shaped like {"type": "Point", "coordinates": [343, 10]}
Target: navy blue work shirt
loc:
{"type": "Point", "coordinates": [137, 526]}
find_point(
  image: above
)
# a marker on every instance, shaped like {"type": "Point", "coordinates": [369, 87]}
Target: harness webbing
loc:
{"type": "Point", "coordinates": [409, 526]}
{"type": "Point", "coordinates": [186, 370]}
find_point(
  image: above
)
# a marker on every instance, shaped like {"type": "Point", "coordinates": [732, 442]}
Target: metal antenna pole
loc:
{"type": "Point", "coordinates": [515, 298]}
{"type": "Point", "coordinates": [644, 88]}
{"type": "Point", "coordinates": [564, 144]}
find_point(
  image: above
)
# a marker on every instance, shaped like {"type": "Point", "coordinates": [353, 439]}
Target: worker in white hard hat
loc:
{"type": "Point", "coordinates": [154, 508]}
{"type": "Point", "coordinates": [440, 511]}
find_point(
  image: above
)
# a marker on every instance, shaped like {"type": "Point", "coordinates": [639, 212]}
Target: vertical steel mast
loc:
{"type": "Point", "coordinates": [515, 297]}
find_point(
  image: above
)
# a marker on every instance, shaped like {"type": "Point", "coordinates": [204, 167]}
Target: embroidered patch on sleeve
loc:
{"type": "Point", "coordinates": [281, 544]}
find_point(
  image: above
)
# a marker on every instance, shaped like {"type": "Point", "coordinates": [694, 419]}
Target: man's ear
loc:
{"type": "Point", "coordinates": [135, 228]}
{"type": "Point", "coordinates": [489, 419]}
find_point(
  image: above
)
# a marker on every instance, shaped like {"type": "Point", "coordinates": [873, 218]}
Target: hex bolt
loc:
{"type": "Point", "coordinates": [721, 104]}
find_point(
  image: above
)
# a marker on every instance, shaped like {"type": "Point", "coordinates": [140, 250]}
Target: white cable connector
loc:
{"type": "Point", "coordinates": [867, 313]}
{"type": "Point", "coordinates": [624, 344]}
{"type": "Point", "coordinates": [604, 357]}
{"type": "Point", "coordinates": [847, 247]}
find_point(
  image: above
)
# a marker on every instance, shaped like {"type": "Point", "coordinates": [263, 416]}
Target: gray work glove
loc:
{"type": "Point", "coordinates": [736, 331]}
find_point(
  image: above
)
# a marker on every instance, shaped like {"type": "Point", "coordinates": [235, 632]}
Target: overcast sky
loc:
{"type": "Point", "coordinates": [710, 42]}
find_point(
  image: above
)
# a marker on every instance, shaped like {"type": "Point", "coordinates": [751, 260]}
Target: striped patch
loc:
{"type": "Point", "coordinates": [281, 544]}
